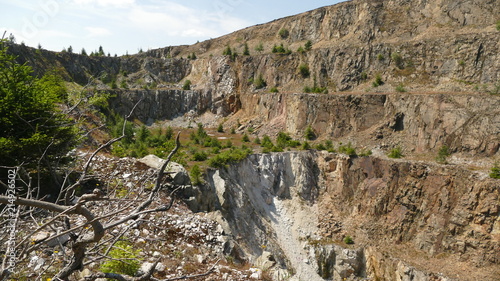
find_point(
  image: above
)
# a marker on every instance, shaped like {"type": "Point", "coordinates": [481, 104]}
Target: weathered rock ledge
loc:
{"type": "Point", "coordinates": [409, 220]}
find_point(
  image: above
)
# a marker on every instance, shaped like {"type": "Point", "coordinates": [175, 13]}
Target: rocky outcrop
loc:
{"type": "Point", "coordinates": [154, 67]}
{"type": "Point", "coordinates": [422, 45]}
{"type": "Point", "coordinates": [419, 46]}
{"type": "Point", "coordinates": [400, 214]}
{"type": "Point", "coordinates": [422, 123]}
{"type": "Point", "coordinates": [157, 105]}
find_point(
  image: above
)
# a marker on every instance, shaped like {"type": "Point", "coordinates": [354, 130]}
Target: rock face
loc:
{"type": "Point", "coordinates": [420, 46]}
{"type": "Point", "coordinates": [154, 66]}
{"type": "Point", "coordinates": [409, 221]}
{"type": "Point", "coordinates": [423, 45]}
{"type": "Point", "coordinates": [465, 123]}
{"type": "Point", "coordinates": [290, 211]}
{"type": "Point", "coordinates": [419, 122]}
{"type": "Point", "coordinates": [169, 104]}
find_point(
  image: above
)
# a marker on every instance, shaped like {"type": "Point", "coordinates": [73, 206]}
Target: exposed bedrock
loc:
{"type": "Point", "coordinates": [300, 205]}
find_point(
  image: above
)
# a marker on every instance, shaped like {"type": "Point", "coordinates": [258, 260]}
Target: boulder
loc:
{"type": "Point", "coordinates": [176, 170]}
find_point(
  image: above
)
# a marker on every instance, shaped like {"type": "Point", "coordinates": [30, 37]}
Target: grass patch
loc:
{"type": "Point", "coordinates": [395, 153]}
{"type": "Point", "coordinates": [347, 149]}
{"type": "Point", "coordinates": [400, 88]}
{"type": "Point", "coordinates": [495, 171]}
{"type": "Point", "coordinates": [443, 154]}
{"type": "Point", "coordinates": [348, 240]}
{"type": "Point", "coordinates": [124, 259]}
{"type": "Point", "coordinates": [232, 155]}
{"type": "Point", "coordinates": [378, 81]}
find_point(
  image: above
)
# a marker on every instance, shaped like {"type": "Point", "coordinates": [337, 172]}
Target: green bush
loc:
{"type": "Point", "coordinates": [259, 82]}
{"type": "Point", "coordinates": [320, 146]}
{"type": "Point", "coordinates": [315, 89]}
{"type": "Point", "coordinates": [284, 140]}
{"type": "Point", "coordinates": [234, 55]}
{"type": "Point", "coordinates": [246, 50]}
{"type": "Point", "coordinates": [306, 145]}
{"type": "Point", "coordinates": [212, 142]}
{"type": "Point", "coordinates": [398, 60]}
{"type": "Point", "coordinates": [259, 48]}
{"type": "Point", "coordinates": [274, 90]}
{"type": "Point", "coordinates": [284, 33]}
{"type": "Point", "coordinates": [308, 45]}
{"type": "Point", "coordinates": [141, 141]}
{"type": "Point", "coordinates": [380, 57]}
{"type": "Point", "coordinates": [124, 259]}
{"type": "Point", "coordinates": [169, 133]}
{"type": "Point", "coordinates": [309, 133]}
{"type": "Point", "coordinates": [227, 51]}
{"type": "Point", "coordinates": [32, 126]}
{"type": "Point", "coordinates": [364, 75]}
{"type": "Point", "coordinates": [329, 146]}
{"type": "Point", "coordinates": [196, 175]}
{"type": "Point", "coordinates": [378, 81]}
{"type": "Point", "coordinates": [266, 142]}
{"type": "Point", "coordinates": [304, 70]}
{"type": "Point", "coordinates": [142, 134]}
{"type": "Point", "coordinates": [187, 85]}
{"type": "Point", "coordinates": [400, 88]}
{"type": "Point", "coordinates": [232, 155]}
{"type": "Point", "coordinates": [113, 84]}
{"type": "Point", "coordinates": [200, 156]}
{"type": "Point", "coordinates": [365, 153]}
{"type": "Point", "coordinates": [395, 153]}
{"type": "Point", "coordinates": [498, 25]}
{"type": "Point", "coordinates": [115, 125]}
{"type": "Point", "coordinates": [347, 149]}
{"type": "Point", "coordinates": [443, 153]}
{"type": "Point", "coordinates": [245, 138]}
{"type": "Point", "coordinates": [220, 128]}
{"type": "Point", "coordinates": [281, 50]}
{"type": "Point", "coordinates": [348, 240]}
{"type": "Point", "coordinates": [228, 144]}
{"type": "Point", "coordinates": [495, 171]}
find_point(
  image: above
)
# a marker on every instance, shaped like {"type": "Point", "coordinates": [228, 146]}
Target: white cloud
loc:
{"type": "Point", "coordinates": [153, 23]}
{"type": "Point", "coordinates": [48, 38]}
{"type": "Point", "coordinates": [106, 3]}
{"type": "Point", "coordinates": [97, 31]}
{"type": "Point", "coordinates": [177, 20]}
{"type": "Point", "coordinates": [18, 4]}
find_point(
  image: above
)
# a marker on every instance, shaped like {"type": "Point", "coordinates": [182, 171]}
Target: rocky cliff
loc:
{"type": "Point", "coordinates": [418, 46]}
{"type": "Point", "coordinates": [424, 45]}
{"type": "Point", "coordinates": [421, 123]}
{"type": "Point", "coordinates": [408, 220]}
{"type": "Point", "coordinates": [418, 74]}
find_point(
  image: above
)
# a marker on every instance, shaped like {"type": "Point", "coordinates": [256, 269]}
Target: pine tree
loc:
{"type": "Point", "coordinates": [101, 51]}
{"type": "Point", "coordinates": [32, 127]}
{"type": "Point", "coordinates": [246, 51]}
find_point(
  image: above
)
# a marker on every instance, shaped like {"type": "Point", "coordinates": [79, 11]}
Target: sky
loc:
{"type": "Point", "coordinates": [126, 26]}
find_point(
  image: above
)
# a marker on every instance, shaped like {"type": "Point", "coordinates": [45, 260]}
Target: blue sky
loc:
{"type": "Point", "coordinates": [129, 25]}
